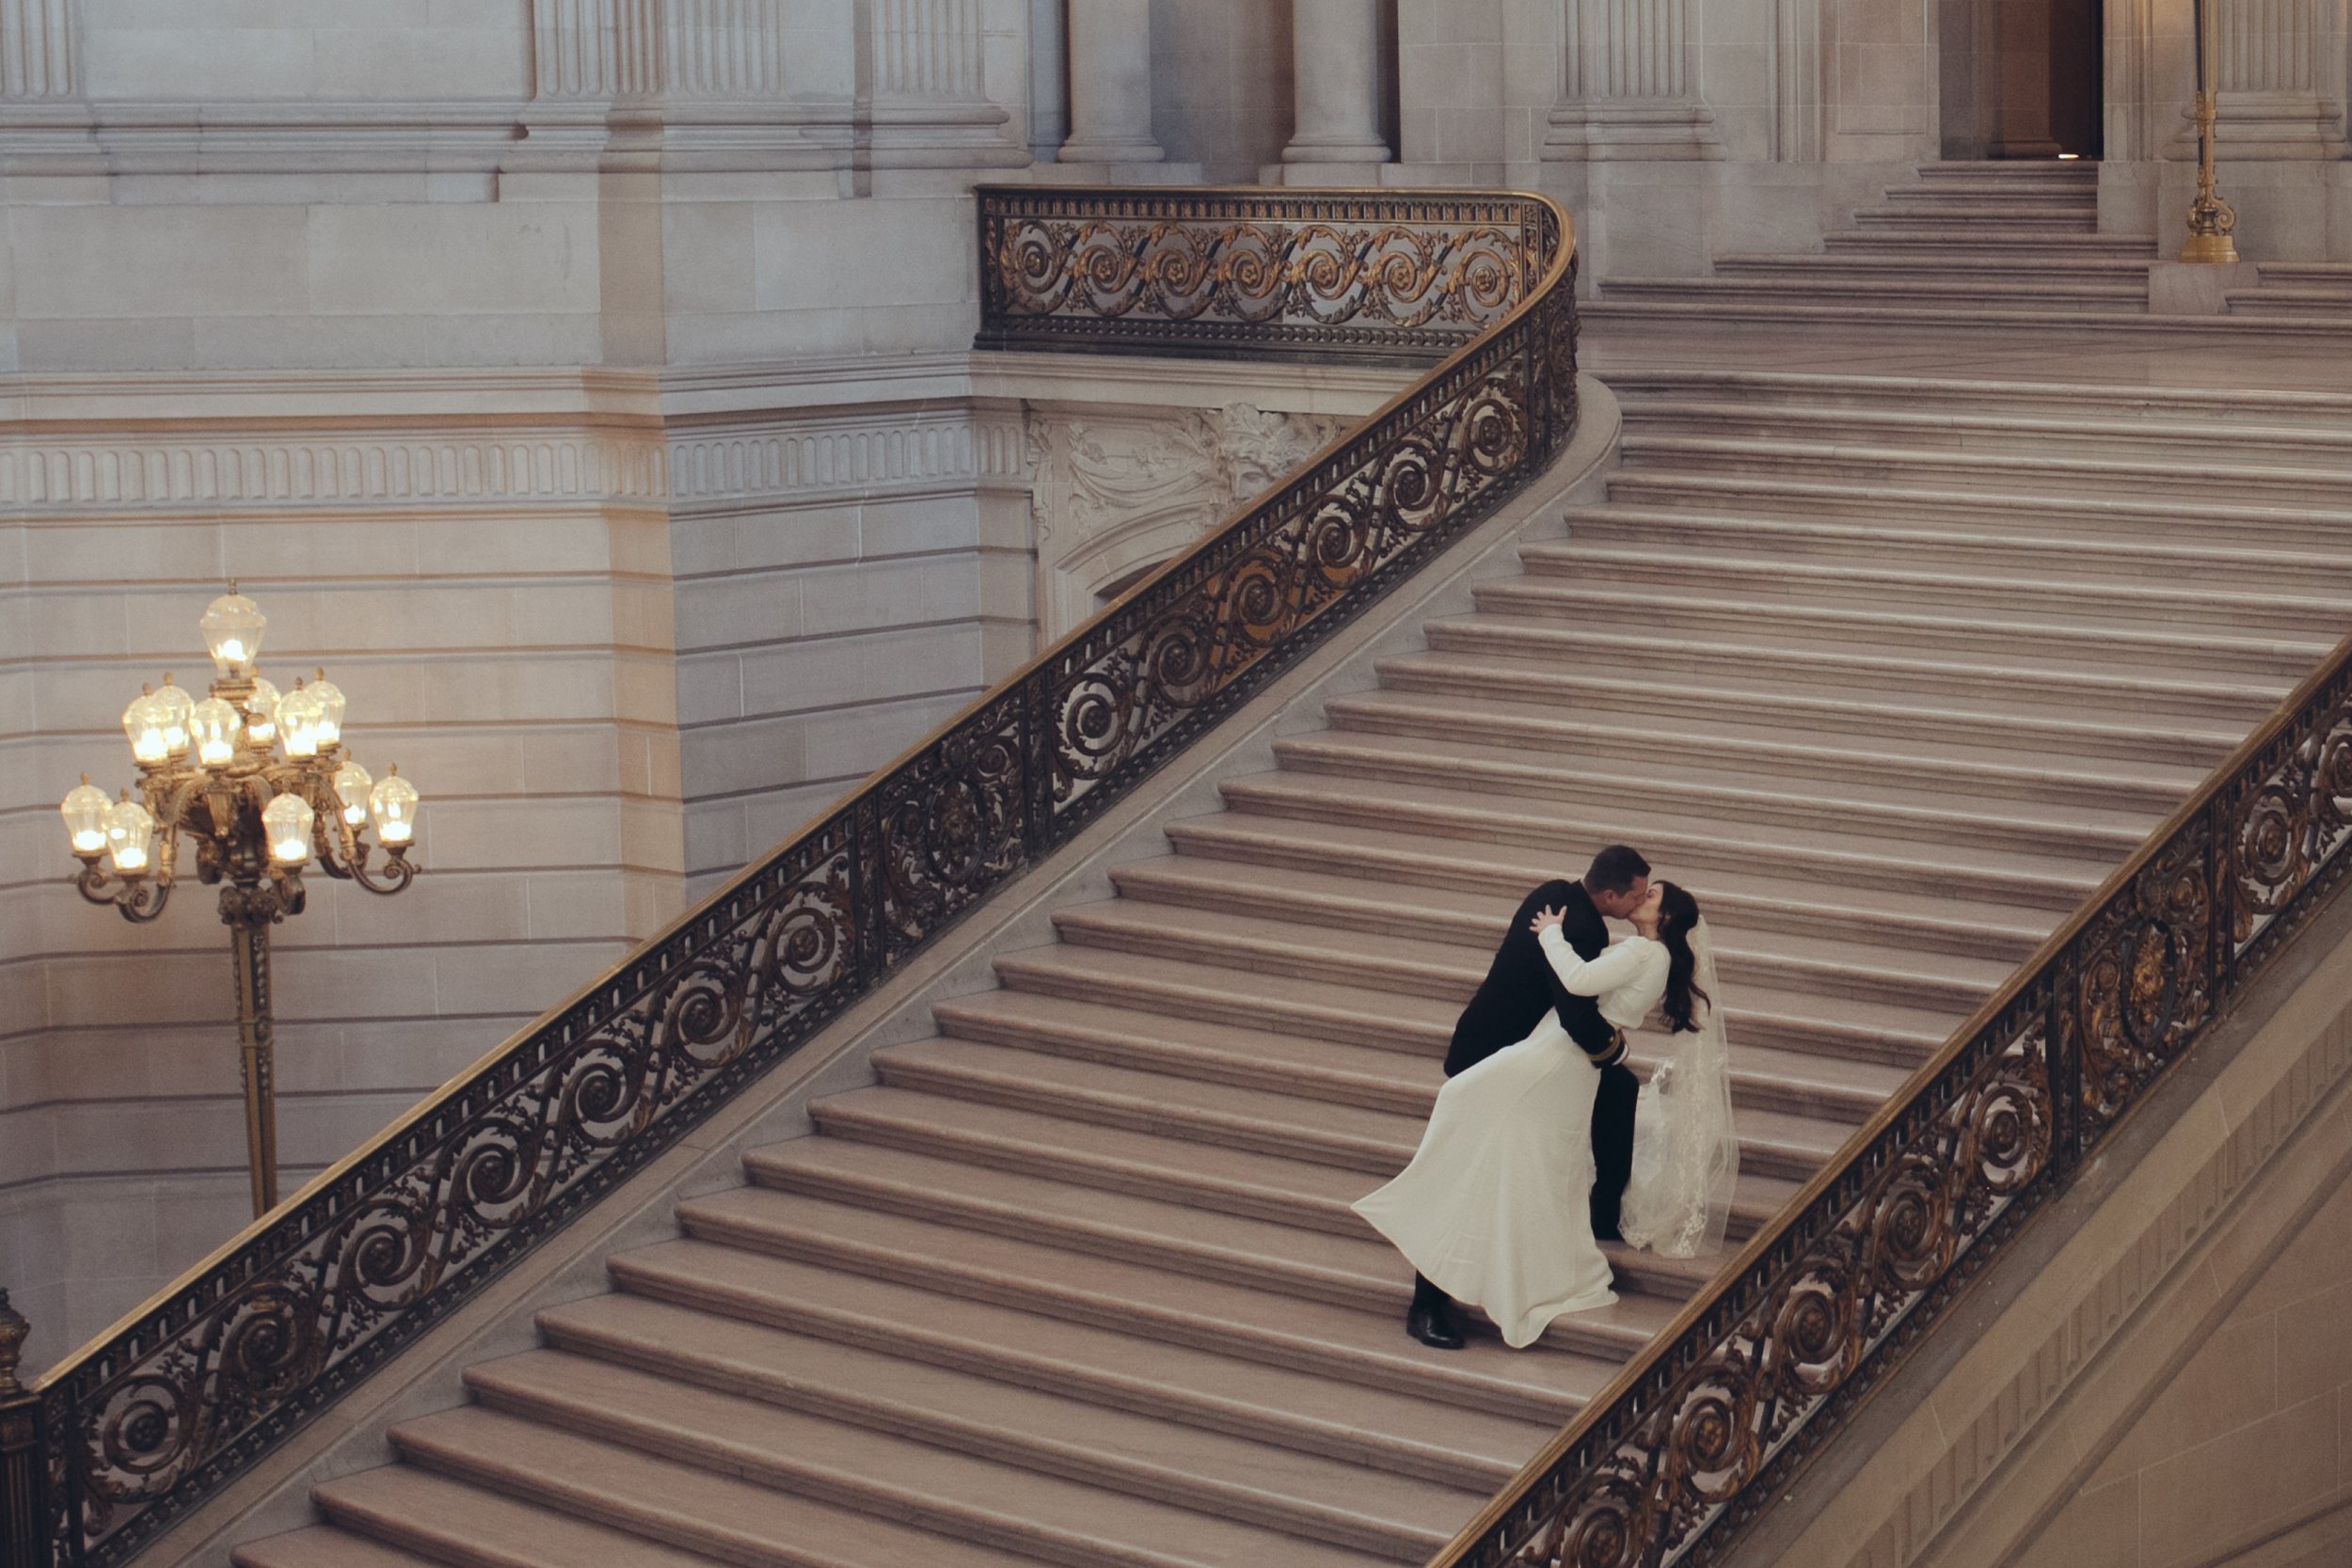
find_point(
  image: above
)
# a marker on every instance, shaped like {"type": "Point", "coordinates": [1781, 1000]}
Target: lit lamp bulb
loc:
{"type": "Point", "coordinates": [175, 707]}
{"type": "Point", "coordinates": [393, 805]}
{"type": "Point", "coordinates": [214, 725]}
{"type": "Point", "coordinates": [232, 628]}
{"type": "Point", "coordinates": [351, 788]}
{"type": "Point", "coordinates": [261, 715]}
{"type": "Point", "coordinates": [146, 722]}
{"type": "Point", "coordinates": [299, 715]}
{"type": "Point", "coordinates": [130, 836]}
{"type": "Point", "coordinates": [286, 823]}
{"type": "Point", "coordinates": [85, 810]}
{"type": "Point", "coordinates": [330, 699]}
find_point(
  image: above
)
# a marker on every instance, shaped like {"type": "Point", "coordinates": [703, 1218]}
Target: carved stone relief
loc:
{"type": "Point", "coordinates": [1115, 492]}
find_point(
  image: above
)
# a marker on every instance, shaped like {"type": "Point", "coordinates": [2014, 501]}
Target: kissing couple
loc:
{"type": "Point", "coordinates": [1543, 1144]}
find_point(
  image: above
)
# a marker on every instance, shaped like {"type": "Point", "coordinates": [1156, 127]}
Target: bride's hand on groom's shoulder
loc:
{"type": "Point", "coordinates": [1546, 919]}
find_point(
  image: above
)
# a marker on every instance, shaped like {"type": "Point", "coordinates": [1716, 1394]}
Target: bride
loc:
{"type": "Point", "coordinates": [1493, 1209]}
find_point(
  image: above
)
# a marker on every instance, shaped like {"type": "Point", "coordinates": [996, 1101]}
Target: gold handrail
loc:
{"type": "Point", "coordinates": [192, 1388]}
{"type": "Point", "coordinates": [2117, 994]}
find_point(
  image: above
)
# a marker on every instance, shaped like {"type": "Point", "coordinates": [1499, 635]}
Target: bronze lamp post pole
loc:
{"type": "Point", "coordinates": [2211, 220]}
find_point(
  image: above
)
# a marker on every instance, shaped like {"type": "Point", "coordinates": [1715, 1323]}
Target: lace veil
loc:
{"type": "Point", "coordinates": [1685, 1152]}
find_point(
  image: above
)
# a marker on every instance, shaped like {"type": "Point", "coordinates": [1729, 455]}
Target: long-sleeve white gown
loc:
{"type": "Point", "coordinates": [1495, 1206]}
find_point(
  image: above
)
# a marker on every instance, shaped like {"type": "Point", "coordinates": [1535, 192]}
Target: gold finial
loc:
{"type": "Point", "coordinates": [13, 1329]}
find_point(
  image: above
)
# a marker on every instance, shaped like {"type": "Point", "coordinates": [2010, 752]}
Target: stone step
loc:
{"type": "Point", "coordinates": [1293, 1332]}
{"type": "Point", "coordinates": [2049, 594]}
{"type": "Point", "coordinates": [1932, 323]}
{"type": "Point", "coordinates": [2018, 475]}
{"type": "Point", "coordinates": [1119, 1450]}
{"type": "Point", "coordinates": [1980, 551]}
{"type": "Point", "coordinates": [1901, 505]}
{"type": "Point", "coordinates": [1963, 246]}
{"type": "Point", "coordinates": [2271, 299]}
{"type": "Point", "coordinates": [549, 1502]}
{"type": "Point", "coordinates": [1570, 836]}
{"type": "Point", "coordinates": [1953, 292]}
{"type": "Point", "coordinates": [1338, 1072]}
{"type": "Point", "coordinates": [1938, 211]}
{"type": "Point", "coordinates": [638, 1445]}
{"type": "Point", "coordinates": [1871, 266]}
{"type": "Point", "coordinates": [1420, 1025]}
{"type": "Point", "coordinates": [2012, 171]}
{"type": "Point", "coordinates": [1160, 1229]}
{"type": "Point", "coordinates": [2141, 438]}
{"type": "Point", "coordinates": [2193, 410]}
{"type": "Point", "coordinates": [327, 1546]}
{"type": "Point", "coordinates": [1736, 684]}
{"type": "Point", "coordinates": [1942, 767]}
{"type": "Point", "coordinates": [1873, 808]}
{"type": "Point", "coordinates": [1447, 959]}
{"type": "Point", "coordinates": [1387, 1430]}
{"type": "Point", "coordinates": [1937, 926]}
{"type": "Point", "coordinates": [1868, 671]}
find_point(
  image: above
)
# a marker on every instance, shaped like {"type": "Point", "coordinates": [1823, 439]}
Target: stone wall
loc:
{"type": "Point", "coordinates": [2245, 1455]}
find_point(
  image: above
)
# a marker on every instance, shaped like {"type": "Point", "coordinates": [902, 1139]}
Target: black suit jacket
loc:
{"type": "Point", "coordinates": [1520, 987]}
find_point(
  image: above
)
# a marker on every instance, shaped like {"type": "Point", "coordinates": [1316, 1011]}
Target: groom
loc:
{"type": "Point", "coordinates": [1519, 989]}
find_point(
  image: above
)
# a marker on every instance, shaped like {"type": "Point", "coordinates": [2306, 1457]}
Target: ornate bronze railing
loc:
{"type": "Point", "coordinates": [174, 1401]}
{"type": "Point", "coordinates": [1718, 1414]}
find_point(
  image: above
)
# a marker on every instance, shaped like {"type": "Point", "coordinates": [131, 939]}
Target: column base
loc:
{"type": "Point", "coordinates": [1069, 172]}
{"type": "Point", "coordinates": [1641, 129]}
{"type": "Point", "coordinates": [2269, 125]}
{"type": "Point", "coordinates": [1333, 174]}
{"type": "Point", "coordinates": [1111, 153]}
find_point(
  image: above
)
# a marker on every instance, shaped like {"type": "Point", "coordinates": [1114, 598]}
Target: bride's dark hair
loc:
{"type": "Point", "coordinates": [1677, 912]}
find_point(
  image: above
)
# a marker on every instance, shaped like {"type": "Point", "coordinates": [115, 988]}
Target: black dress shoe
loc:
{"type": "Point", "coordinates": [1432, 1327]}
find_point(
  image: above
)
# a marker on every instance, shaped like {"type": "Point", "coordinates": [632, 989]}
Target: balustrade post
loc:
{"type": "Point", "coordinates": [24, 1473]}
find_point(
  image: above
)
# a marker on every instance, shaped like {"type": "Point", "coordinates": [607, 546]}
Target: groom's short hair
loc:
{"type": "Point", "coordinates": [1615, 869]}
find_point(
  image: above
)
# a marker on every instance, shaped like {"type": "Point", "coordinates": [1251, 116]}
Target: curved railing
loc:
{"type": "Point", "coordinates": [190, 1390]}
{"type": "Point", "coordinates": [1719, 1413]}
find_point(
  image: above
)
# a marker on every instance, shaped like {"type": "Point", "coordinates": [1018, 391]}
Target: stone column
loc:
{"type": "Point", "coordinates": [1335, 79]}
{"type": "Point", "coordinates": [1110, 84]}
{"type": "Point", "coordinates": [2282, 76]}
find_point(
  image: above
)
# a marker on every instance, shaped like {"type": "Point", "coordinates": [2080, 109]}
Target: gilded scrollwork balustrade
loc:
{"type": "Point", "coordinates": [127, 1434]}
{"type": "Point", "coordinates": [1723, 1410]}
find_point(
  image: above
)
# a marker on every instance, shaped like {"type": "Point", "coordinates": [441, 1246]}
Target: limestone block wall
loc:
{"type": "Point", "coordinates": [491, 591]}
{"type": "Point", "coordinates": [2246, 1455]}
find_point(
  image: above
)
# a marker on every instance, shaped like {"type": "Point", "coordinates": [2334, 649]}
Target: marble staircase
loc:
{"type": "Point", "coordinates": [1890, 671]}
{"type": "Point", "coordinates": [1967, 246]}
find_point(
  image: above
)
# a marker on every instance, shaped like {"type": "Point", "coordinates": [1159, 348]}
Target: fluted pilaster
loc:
{"type": "Point", "coordinates": [1631, 84]}
{"type": "Point", "coordinates": [2281, 68]}
{"type": "Point", "coordinates": [726, 49]}
{"type": "Point", "coordinates": [37, 49]}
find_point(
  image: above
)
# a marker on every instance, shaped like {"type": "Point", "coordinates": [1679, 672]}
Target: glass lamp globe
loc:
{"type": "Point", "coordinates": [330, 700]}
{"type": "Point", "coordinates": [85, 810]}
{"type": "Point", "coordinates": [130, 836]}
{"type": "Point", "coordinates": [351, 788]}
{"type": "Point", "coordinates": [286, 823]}
{"type": "Point", "coordinates": [175, 705]}
{"type": "Point", "coordinates": [393, 805]}
{"type": "Point", "coordinates": [147, 722]}
{"type": "Point", "coordinates": [299, 715]}
{"type": "Point", "coordinates": [213, 725]}
{"type": "Point", "coordinates": [261, 715]}
{"type": "Point", "coordinates": [232, 628]}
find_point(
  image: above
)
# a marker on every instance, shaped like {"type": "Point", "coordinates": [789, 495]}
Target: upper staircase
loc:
{"type": "Point", "coordinates": [1894, 672]}
{"type": "Point", "coordinates": [1972, 244]}
{"type": "Point", "coordinates": [1891, 675]}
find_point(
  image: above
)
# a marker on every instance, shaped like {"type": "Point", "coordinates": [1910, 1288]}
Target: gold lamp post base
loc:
{"type": "Point", "coordinates": [2209, 248]}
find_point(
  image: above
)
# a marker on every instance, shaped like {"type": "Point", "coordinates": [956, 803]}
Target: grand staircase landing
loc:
{"type": "Point", "coordinates": [1891, 670]}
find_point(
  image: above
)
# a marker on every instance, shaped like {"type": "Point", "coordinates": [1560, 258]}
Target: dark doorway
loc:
{"type": "Point", "coordinates": [2021, 78]}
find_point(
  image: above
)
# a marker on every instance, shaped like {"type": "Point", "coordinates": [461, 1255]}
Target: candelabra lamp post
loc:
{"type": "Point", "coordinates": [2211, 220]}
{"type": "Point", "coordinates": [262, 785]}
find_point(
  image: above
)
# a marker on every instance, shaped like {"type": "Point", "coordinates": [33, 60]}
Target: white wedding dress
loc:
{"type": "Point", "coordinates": [1495, 1208]}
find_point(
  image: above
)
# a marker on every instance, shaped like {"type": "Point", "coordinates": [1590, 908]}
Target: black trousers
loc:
{"type": "Point", "coordinates": [1612, 1145]}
